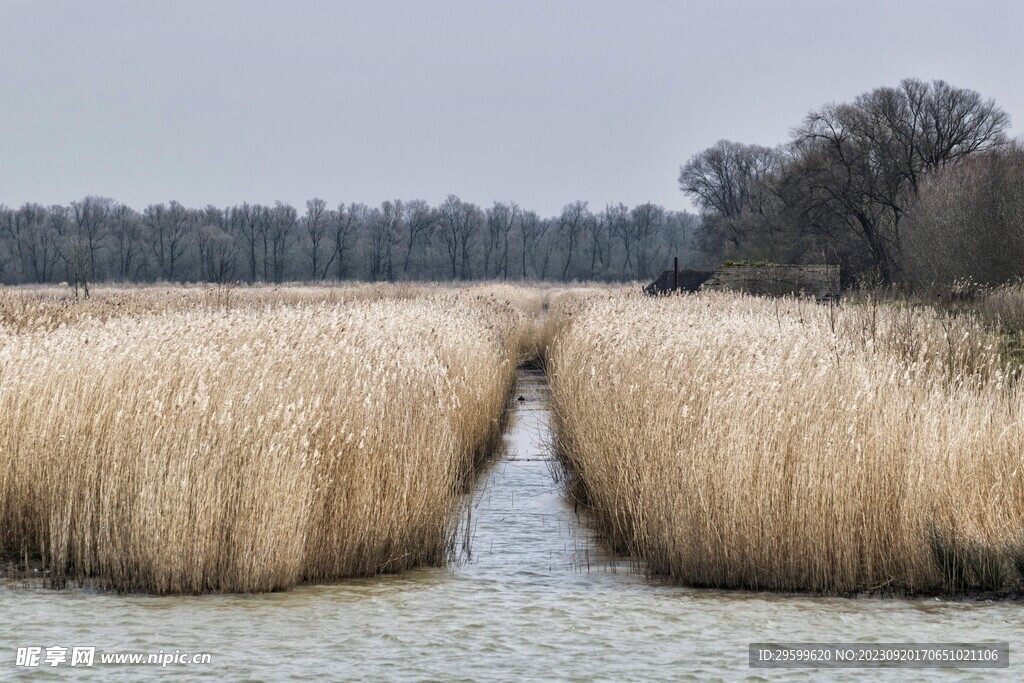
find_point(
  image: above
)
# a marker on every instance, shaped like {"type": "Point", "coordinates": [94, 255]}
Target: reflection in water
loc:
{"type": "Point", "coordinates": [536, 599]}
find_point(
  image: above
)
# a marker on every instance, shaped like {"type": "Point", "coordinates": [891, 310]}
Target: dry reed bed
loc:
{"type": "Point", "coordinates": [25, 308]}
{"type": "Point", "coordinates": [252, 448]}
{"type": "Point", "coordinates": [33, 307]}
{"type": "Point", "coordinates": [739, 442]}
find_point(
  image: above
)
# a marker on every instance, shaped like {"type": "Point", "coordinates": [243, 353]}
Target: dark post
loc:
{"type": "Point", "coordinates": [675, 282]}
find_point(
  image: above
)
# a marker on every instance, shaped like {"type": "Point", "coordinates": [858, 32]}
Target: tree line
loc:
{"type": "Point", "coordinates": [915, 184]}
{"type": "Point", "coordinates": [99, 239]}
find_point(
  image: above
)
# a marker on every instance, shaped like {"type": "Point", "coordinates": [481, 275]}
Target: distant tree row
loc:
{"type": "Point", "coordinates": [857, 184]}
{"type": "Point", "coordinates": [98, 239]}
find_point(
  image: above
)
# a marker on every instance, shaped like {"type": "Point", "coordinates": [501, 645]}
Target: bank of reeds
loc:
{"type": "Point", "coordinates": [249, 448]}
{"type": "Point", "coordinates": [46, 307]}
{"type": "Point", "coordinates": [733, 441]}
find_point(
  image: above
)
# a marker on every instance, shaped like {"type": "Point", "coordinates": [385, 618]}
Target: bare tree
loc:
{"type": "Point", "coordinates": [385, 230]}
{"type": "Point", "coordinates": [169, 227]}
{"type": "Point", "coordinates": [600, 234]}
{"type": "Point", "coordinates": [620, 222]}
{"type": "Point", "coordinates": [420, 222]}
{"type": "Point", "coordinates": [126, 236]}
{"type": "Point", "coordinates": [265, 218]}
{"type": "Point", "coordinates": [316, 223]}
{"type": "Point", "coordinates": [346, 225]}
{"type": "Point", "coordinates": [42, 250]}
{"type": "Point", "coordinates": [647, 220]}
{"type": "Point", "coordinates": [734, 186]}
{"type": "Point", "coordinates": [571, 225]}
{"type": "Point", "coordinates": [59, 218]}
{"type": "Point", "coordinates": [501, 218]}
{"type": "Point", "coordinates": [460, 223]}
{"type": "Point", "coordinates": [90, 216]}
{"type": "Point", "coordinates": [218, 251]}
{"type": "Point", "coordinates": [533, 230]}
{"type": "Point", "coordinates": [250, 227]}
{"type": "Point", "coordinates": [281, 222]}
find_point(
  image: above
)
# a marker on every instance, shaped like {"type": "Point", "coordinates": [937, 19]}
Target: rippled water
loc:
{"type": "Point", "coordinates": [536, 599]}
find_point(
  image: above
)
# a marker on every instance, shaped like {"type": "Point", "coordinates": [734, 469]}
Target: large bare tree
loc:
{"type": "Point", "coordinates": [734, 186]}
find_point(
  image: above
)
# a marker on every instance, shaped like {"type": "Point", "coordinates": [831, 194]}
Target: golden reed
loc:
{"type": "Point", "coordinates": [734, 441]}
{"type": "Point", "coordinates": [168, 443]}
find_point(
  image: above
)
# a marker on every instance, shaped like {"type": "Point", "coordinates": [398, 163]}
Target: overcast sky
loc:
{"type": "Point", "coordinates": [538, 102]}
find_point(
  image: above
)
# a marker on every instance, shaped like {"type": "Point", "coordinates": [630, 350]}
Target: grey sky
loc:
{"type": "Point", "coordinates": [538, 102]}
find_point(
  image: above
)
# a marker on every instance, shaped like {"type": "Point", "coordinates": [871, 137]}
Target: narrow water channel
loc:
{"type": "Point", "coordinates": [521, 527]}
{"type": "Point", "coordinates": [536, 598]}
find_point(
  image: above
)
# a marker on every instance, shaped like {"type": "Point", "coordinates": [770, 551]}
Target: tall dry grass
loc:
{"type": "Point", "coordinates": [777, 444]}
{"type": "Point", "coordinates": [250, 446]}
{"type": "Point", "coordinates": [31, 307]}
